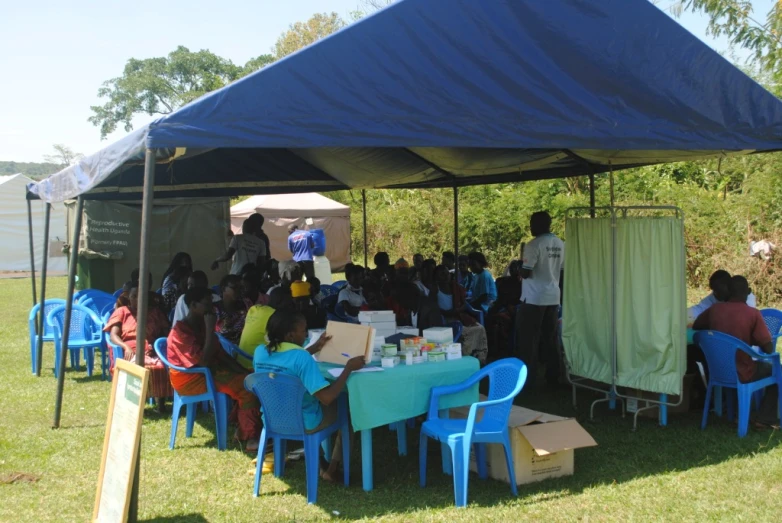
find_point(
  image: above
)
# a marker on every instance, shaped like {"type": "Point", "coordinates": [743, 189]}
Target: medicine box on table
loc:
{"type": "Point", "coordinates": [377, 317]}
{"type": "Point", "coordinates": [542, 445]}
{"type": "Point", "coordinates": [439, 335]}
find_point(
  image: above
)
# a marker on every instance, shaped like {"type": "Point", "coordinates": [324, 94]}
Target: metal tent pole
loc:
{"type": "Point", "coordinates": [364, 207]}
{"type": "Point", "coordinates": [592, 195]}
{"type": "Point", "coordinates": [456, 230]}
{"type": "Point", "coordinates": [74, 259]}
{"type": "Point", "coordinates": [611, 178]}
{"type": "Point", "coordinates": [41, 319]}
{"type": "Point", "coordinates": [32, 249]}
{"type": "Point", "coordinates": [143, 299]}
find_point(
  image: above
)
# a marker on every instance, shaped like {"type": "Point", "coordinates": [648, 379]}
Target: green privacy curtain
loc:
{"type": "Point", "coordinates": [586, 316]}
{"type": "Point", "coordinates": [650, 301]}
{"type": "Point", "coordinates": [650, 304]}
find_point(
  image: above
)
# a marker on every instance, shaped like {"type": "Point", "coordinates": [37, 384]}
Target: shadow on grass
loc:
{"type": "Point", "coordinates": [89, 379]}
{"type": "Point", "coordinates": [622, 456]}
{"type": "Point", "coordinates": [183, 518]}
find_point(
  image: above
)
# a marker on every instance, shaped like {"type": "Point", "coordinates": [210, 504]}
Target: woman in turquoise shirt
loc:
{"type": "Point", "coordinates": [287, 331]}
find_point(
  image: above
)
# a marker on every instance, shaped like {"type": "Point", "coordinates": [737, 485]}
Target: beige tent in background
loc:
{"type": "Point", "coordinates": [14, 230]}
{"type": "Point", "coordinates": [281, 210]}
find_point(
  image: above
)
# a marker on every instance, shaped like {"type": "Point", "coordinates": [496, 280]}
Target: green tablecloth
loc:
{"type": "Point", "coordinates": [402, 392]}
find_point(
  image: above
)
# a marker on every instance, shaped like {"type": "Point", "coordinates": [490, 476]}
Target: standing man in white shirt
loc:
{"type": "Point", "coordinates": [536, 319]}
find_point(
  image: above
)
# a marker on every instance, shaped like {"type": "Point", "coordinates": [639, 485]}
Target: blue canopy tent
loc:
{"type": "Point", "coordinates": [442, 93]}
{"type": "Point", "coordinates": [437, 93]}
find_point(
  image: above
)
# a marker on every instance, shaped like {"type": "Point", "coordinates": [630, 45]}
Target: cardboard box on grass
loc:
{"type": "Point", "coordinates": [542, 445]}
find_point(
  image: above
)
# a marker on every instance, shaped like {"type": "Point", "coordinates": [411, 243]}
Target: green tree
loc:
{"type": "Point", "coordinates": [257, 63]}
{"type": "Point", "coordinates": [63, 156]}
{"type": "Point", "coordinates": [302, 34]}
{"type": "Point", "coordinates": [163, 84]}
{"type": "Point", "coordinates": [738, 21]}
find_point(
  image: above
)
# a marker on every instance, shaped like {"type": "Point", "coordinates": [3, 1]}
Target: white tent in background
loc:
{"type": "Point", "coordinates": [281, 210]}
{"type": "Point", "coordinates": [14, 239]}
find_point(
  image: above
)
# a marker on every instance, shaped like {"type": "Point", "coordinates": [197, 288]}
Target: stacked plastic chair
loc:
{"type": "Point", "coordinates": [85, 334]}
{"type": "Point", "coordinates": [48, 329]}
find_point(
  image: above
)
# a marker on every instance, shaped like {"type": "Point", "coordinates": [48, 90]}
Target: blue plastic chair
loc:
{"type": "Point", "coordinates": [281, 399]}
{"type": "Point", "coordinates": [91, 293]}
{"type": "Point", "coordinates": [773, 319]}
{"type": "Point", "coordinates": [338, 285]}
{"type": "Point", "coordinates": [97, 303]}
{"type": "Point", "coordinates": [85, 334]}
{"type": "Point", "coordinates": [118, 293]}
{"type": "Point", "coordinates": [457, 327]}
{"type": "Point", "coordinates": [506, 378]}
{"type": "Point", "coordinates": [720, 351]}
{"type": "Point", "coordinates": [328, 290]}
{"type": "Point", "coordinates": [477, 313]}
{"type": "Point", "coordinates": [232, 349]}
{"type": "Point", "coordinates": [107, 310]}
{"type": "Point", "coordinates": [220, 402]}
{"type": "Point", "coordinates": [48, 330]}
{"type": "Point", "coordinates": [328, 303]}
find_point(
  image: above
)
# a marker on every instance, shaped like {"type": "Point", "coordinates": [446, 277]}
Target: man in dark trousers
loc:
{"type": "Point", "coordinates": [301, 244]}
{"type": "Point", "coordinates": [536, 317]}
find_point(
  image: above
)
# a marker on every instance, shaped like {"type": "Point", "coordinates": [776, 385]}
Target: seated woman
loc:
{"type": "Point", "coordinates": [231, 310]}
{"type": "Point", "coordinates": [466, 277]}
{"type": "Point", "coordinates": [122, 331]}
{"type": "Point", "coordinates": [181, 259]}
{"type": "Point", "coordinates": [251, 282]}
{"type": "Point", "coordinates": [502, 314]}
{"type": "Point", "coordinates": [451, 300]}
{"type": "Point", "coordinates": [255, 324]}
{"type": "Point", "coordinates": [123, 300]}
{"type": "Point", "coordinates": [350, 297]}
{"type": "Point", "coordinates": [284, 354]}
{"type": "Point", "coordinates": [175, 286]}
{"type": "Point", "coordinates": [302, 299]}
{"type": "Point", "coordinates": [484, 291]}
{"type": "Point", "coordinates": [417, 277]}
{"type": "Point", "coordinates": [191, 343]}
{"type": "Point", "coordinates": [412, 309]}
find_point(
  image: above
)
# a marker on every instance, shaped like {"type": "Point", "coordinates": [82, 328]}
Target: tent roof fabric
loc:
{"type": "Point", "coordinates": [9, 177]}
{"type": "Point", "coordinates": [291, 205]}
{"type": "Point", "coordinates": [438, 93]}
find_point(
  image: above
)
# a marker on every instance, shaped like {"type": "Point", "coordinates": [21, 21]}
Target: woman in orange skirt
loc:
{"type": "Point", "coordinates": [122, 331]}
{"type": "Point", "coordinates": [193, 343]}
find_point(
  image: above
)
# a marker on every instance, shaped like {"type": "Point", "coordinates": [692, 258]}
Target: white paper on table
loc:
{"type": "Point", "coordinates": [338, 370]}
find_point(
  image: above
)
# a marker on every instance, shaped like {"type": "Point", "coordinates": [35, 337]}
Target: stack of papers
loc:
{"type": "Point", "coordinates": [338, 370]}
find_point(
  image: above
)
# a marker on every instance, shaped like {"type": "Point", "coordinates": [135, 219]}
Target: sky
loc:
{"type": "Point", "coordinates": [54, 55]}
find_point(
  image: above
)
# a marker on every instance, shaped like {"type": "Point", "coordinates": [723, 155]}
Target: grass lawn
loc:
{"type": "Point", "coordinates": [674, 473]}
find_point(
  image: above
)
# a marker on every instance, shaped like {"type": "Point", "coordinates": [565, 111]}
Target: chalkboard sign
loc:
{"type": "Point", "coordinates": [121, 443]}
